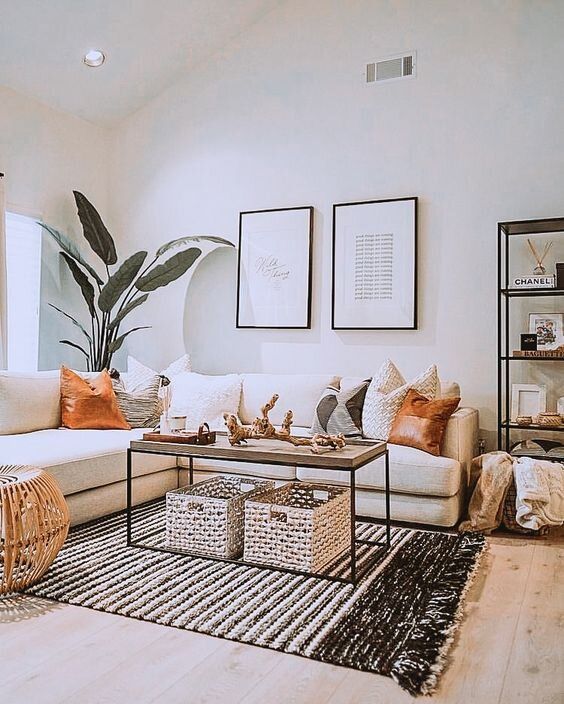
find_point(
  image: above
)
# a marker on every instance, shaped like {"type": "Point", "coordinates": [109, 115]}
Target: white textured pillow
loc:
{"type": "Point", "coordinates": [29, 401]}
{"type": "Point", "coordinates": [388, 378]}
{"type": "Point", "coordinates": [139, 377]}
{"type": "Point", "coordinates": [380, 408]}
{"type": "Point", "coordinates": [204, 399]}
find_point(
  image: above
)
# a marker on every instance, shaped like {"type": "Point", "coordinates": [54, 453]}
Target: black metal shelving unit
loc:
{"type": "Point", "coordinates": [506, 231]}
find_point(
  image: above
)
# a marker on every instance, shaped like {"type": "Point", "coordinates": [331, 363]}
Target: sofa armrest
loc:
{"type": "Point", "coordinates": [460, 441]}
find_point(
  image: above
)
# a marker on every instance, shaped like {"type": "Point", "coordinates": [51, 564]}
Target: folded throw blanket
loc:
{"type": "Point", "coordinates": [540, 493]}
{"type": "Point", "coordinates": [491, 476]}
{"type": "Point", "coordinates": [539, 486]}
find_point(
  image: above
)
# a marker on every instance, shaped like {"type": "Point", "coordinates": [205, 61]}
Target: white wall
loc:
{"type": "Point", "coordinates": [282, 118]}
{"type": "Point", "coordinates": [45, 154]}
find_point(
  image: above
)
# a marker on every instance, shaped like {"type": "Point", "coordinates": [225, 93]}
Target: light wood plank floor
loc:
{"type": "Point", "coordinates": [509, 651]}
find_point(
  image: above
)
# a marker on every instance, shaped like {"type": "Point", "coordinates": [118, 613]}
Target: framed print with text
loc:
{"type": "Point", "coordinates": [274, 270]}
{"type": "Point", "coordinates": [375, 265]}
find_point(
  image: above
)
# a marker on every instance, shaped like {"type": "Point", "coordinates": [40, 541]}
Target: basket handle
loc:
{"type": "Point", "coordinates": [280, 516]}
{"type": "Point", "coordinates": [204, 428]}
{"type": "Point", "coordinates": [193, 506]}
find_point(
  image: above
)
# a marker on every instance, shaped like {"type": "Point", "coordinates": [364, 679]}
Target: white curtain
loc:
{"type": "Point", "coordinates": [3, 292]}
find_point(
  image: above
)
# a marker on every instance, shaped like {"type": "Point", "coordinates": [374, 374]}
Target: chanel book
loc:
{"type": "Point", "coordinates": [545, 281]}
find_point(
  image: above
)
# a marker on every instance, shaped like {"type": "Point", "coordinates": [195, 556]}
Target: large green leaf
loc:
{"type": "Point", "coordinates": [71, 249]}
{"type": "Point", "coordinates": [118, 342]}
{"type": "Point", "coordinates": [126, 310]}
{"type": "Point", "coordinates": [182, 241]}
{"type": "Point", "coordinates": [119, 282]}
{"type": "Point", "coordinates": [83, 281]}
{"type": "Point", "coordinates": [172, 269]}
{"type": "Point", "coordinates": [74, 321]}
{"type": "Point", "coordinates": [77, 347]}
{"type": "Point", "coordinates": [94, 230]}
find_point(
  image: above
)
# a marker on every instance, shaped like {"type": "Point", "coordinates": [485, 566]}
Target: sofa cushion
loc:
{"type": "Point", "coordinates": [298, 392]}
{"type": "Point", "coordinates": [411, 471]}
{"type": "Point", "coordinates": [142, 407]}
{"type": "Point", "coordinates": [340, 411]}
{"type": "Point", "coordinates": [204, 398]}
{"type": "Point", "coordinates": [91, 404]}
{"type": "Point", "coordinates": [29, 401]}
{"type": "Point", "coordinates": [138, 376]}
{"type": "Point", "coordinates": [101, 501]}
{"type": "Point", "coordinates": [81, 459]}
{"type": "Point", "coordinates": [442, 511]}
{"type": "Point", "coordinates": [421, 422]}
{"type": "Point", "coordinates": [381, 407]}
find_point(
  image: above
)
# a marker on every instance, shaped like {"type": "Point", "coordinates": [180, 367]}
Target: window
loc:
{"type": "Point", "coordinates": [23, 271]}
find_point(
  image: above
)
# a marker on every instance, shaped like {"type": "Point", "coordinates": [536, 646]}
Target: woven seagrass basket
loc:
{"type": "Point", "coordinates": [298, 526]}
{"type": "Point", "coordinates": [208, 517]}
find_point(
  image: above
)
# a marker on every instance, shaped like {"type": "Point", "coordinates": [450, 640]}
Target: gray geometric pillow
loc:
{"type": "Point", "coordinates": [340, 411]}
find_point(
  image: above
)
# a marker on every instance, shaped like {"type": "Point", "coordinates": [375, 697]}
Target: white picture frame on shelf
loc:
{"type": "Point", "coordinates": [274, 277]}
{"type": "Point", "coordinates": [527, 400]}
{"type": "Point", "coordinates": [548, 329]}
{"type": "Point", "coordinates": [375, 265]}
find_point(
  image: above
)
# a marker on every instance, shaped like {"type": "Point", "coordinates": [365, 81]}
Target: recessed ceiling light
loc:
{"type": "Point", "coordinates": [94, 58]}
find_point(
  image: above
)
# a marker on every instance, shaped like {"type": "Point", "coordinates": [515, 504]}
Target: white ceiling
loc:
{"type": "Point", "coordinates": [149, 44]}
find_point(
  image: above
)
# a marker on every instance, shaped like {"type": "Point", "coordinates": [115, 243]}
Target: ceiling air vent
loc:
{"type": "Point", "coordinates": [391, 68]}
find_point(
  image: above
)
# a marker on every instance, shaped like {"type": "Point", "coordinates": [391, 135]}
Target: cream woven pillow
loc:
{"type": "Point", "coordinates": [382, 404]}
{"type": "Point", "coordinates": [389, 378]}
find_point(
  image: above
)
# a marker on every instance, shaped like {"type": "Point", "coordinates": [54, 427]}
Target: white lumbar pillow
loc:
{"type": "Point", "coordinates": [139, 377]}
{"type": "Point", "coordinates": [204, 399]}
{"type": "Point", "coordinates": [386, 394]}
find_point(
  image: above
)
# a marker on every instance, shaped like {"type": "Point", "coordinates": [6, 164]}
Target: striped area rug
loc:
{"type": "Point", "coordinates": [398, 621]}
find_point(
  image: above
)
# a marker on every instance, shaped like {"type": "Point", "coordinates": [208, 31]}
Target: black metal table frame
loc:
{"type": "Point", "coordinates": [239, 561]}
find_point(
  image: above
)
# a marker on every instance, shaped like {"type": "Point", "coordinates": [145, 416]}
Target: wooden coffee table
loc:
{"type": "Point", "coordinates": [355, 455]}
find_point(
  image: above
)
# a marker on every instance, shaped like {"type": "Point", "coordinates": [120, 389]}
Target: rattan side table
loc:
{"type": "Point", "coordinates": [34, 522]}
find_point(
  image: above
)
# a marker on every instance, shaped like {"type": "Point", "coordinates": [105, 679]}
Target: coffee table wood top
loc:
{"type": "Point", "coordinates": [354, 455]}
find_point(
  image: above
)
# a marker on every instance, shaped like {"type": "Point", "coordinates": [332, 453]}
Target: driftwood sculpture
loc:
{"type": "Point", "coordinates": [262, 429]}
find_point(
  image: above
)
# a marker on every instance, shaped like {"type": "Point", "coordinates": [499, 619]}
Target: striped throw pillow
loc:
{"type": "Point", "coordinates": [141, 407]}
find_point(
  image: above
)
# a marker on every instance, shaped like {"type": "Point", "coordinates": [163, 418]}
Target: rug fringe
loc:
{"type": "Point", "coordinates": [442, 624]}
{"type": "Point", "coordinates": [430, 684]}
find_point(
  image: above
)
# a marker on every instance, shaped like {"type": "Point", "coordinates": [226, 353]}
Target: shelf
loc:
{"type": "Point", "coordinates": [532, 455]}
{"type": "Point", "coordinates": [533, 426]}
{"type": "Point", "coordinates": [533, 227]}
{"type": "Point", "coordinates": [552, 229]}
{"type": "Point", "coordinates": [531, 292]}
{"type": "Point", "coordinates": [512, 358]}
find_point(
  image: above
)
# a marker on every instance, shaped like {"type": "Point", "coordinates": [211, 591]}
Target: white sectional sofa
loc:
{"type": "Point", "coordinates": [90, 465]}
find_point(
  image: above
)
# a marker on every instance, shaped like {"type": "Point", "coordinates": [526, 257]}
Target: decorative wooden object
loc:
{"type": "Point", "coordinates": [262, 428]}
{"type": "Point", "coordinates": [34, 520]}
{"type": "Point", "coordinates": [539, 269]}
{"type": "Point", "coordinates": [204, 436]}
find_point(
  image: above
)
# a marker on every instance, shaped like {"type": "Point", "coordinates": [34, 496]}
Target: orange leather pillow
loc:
{"type": "Point", "coordinates": [421, 423]}
{"type": "Point", "coordinates": [90, 404]}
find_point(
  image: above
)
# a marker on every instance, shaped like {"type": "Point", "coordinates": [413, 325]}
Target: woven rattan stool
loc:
{"type": "Point", "coordinates": [34, 521]}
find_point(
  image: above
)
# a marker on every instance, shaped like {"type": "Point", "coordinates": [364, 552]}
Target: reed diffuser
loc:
{"type": "Point", "coordinates": [165, 394]}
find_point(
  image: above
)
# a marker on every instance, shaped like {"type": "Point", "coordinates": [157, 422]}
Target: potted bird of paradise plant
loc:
{"type": "Point", "coordinates": [112, 295]}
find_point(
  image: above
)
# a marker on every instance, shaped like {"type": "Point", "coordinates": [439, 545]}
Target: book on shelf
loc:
{"type": "Point", "coordinates": [539, 448]}
{"type": "Point", "coordinates": [534, 281]}
{"type": "Point", "coordinates": [540, 353]}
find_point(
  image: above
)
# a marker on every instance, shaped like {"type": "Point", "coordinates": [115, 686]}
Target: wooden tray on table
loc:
{"type": "Point", "coordinates": [204, 436]}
